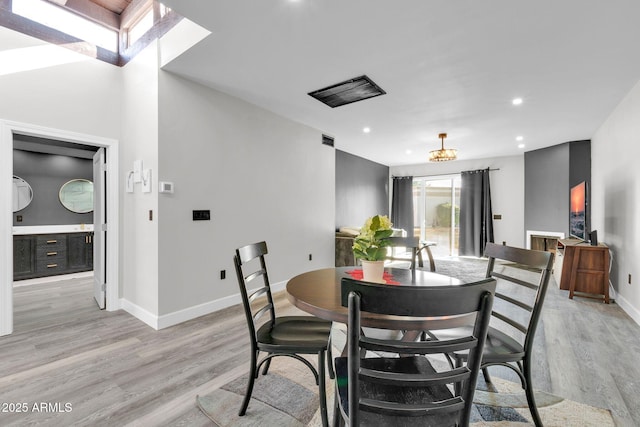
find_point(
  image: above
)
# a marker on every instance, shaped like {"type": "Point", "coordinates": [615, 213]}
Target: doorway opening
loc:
{"type": "Point", "coordinates": [109, 149]}
{"type": "Point", "coordinates": [436, 202]}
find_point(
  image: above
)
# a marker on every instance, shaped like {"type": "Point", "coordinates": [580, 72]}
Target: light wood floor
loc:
{"type": "Point", "coordinates": [114, 370]}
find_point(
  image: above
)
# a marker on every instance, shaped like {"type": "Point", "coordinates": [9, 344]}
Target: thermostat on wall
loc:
{"type": "Point", "coordinates": [166, 187]}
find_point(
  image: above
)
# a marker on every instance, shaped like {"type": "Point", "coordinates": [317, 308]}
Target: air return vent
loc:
{"type": "Point", "coordinates": [352, 90]}
{"type": "Point", "coordinates": [327, 140]}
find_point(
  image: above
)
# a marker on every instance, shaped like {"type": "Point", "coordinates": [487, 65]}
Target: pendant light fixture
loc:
{"type": "Point", "coordinates": [443, 155]}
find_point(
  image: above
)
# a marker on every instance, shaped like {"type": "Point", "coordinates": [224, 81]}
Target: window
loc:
{"type": "Point", "coordinates": [144, 24]}
{"type": "Point", "coordinates": [96, 29]}
{"type": "Point", "coordinates": [436, 205]}
{"type": "Point", "coordinates": [67, 22]}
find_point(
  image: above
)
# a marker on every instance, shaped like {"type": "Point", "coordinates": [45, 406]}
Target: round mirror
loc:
{"type": "Point", "coordinates": [77, 195]}
{"type": "Point", "coordinates": [22, 194]}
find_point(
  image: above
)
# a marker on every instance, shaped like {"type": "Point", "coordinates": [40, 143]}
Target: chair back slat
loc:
{"type": "Point", "coordinates": [533, 286]}
{"type": "Point", "coordinates": [514, 301]}
{"type": "Point", "coordinates": [258, 293]}
{"type": "Point", "coordinates": [412, 380]}
{"type": "Point", "coordinates": [472, 301]}
{"type": "Point", "coordinates": [261, 311]}
{"type": "Point", "coordinates": [254, 275]}
{"type": "Point", "coordinates": [417, 347]}
{"type": "Point", "coordinates": [454, 404]}
{"type": "Point", "coordinates": [510, 321]}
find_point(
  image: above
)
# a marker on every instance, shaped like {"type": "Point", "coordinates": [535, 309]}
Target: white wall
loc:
{"type": "Point", "coordinates": [615, 196]}
{"type": "Point", "coordinates": [81, 95]}
{"type": "Point", "coordinates": [507, 190]}
{"type": "Point", "coordinates": [139, 248]}
{"type": "Point", "coordinates": [262, 176]}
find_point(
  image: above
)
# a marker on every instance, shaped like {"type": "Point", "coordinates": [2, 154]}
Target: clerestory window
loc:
{"type": "Point", "coordinates": [110, 30]}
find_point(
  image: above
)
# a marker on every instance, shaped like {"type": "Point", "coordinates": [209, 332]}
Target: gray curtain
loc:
{"type": "Point", "coordinates": [402, 203]}
{"type": "Point", "coordinates": [476, 218]}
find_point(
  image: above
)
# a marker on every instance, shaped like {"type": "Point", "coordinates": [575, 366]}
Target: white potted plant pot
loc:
{"type": "Point", "coordinates": [372, 271]}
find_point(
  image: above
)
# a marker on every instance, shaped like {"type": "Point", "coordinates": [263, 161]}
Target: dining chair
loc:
{"type": "Point", "coordinates": [523, 277]}
{"type": "Point", "coordinates": [407, 250]}
{"type": "Point", "coordinates": [401, 386]}
{"type": "Point", "coordinates": [290, 336]}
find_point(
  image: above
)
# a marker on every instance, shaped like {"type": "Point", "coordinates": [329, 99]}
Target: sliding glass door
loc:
{"type": "Point", "coordinates": [436, 204]}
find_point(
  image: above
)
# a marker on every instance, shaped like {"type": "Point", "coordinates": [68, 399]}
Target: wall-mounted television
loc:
{"type": "Point", "coordinates": [578, 211]}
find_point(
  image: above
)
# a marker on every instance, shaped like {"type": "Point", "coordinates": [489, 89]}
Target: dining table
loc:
{"type": "Point", "coordinates": [318, 292]}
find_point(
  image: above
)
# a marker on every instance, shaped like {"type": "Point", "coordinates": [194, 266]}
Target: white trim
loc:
{"type": "Point", "coordinates": [7, 130]}
{"type": "Point", "coordinates": [171, 319]}
{"type": "Point", "coordinates": [6, 223]}
{"type": "Point", "coordinates": [628, 308]}
{"type": "Point", "coordinates": [530, 233]}
{"type": "Point", "coordinates": [49, 229]}
{"type": "Point", "coordinates": [139, 313]}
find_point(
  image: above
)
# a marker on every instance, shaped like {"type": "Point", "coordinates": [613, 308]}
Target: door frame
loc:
{"type": "Point", "coordinates": [7, 131]}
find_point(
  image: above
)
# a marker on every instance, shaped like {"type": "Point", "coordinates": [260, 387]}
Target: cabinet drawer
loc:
{"type": "Point", "coordinates": [52, 242]}
{"type": "Point", "coordinates": [51, 266]}
{"type": "Point", "coordinates": [44, 252]}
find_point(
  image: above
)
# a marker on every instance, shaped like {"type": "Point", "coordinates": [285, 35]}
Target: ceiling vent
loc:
{"type": "Point", "coordinates": [352, 90]}
{"type": "Point", "coordinates": [327, 140]}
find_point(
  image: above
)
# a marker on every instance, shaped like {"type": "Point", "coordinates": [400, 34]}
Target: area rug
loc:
{"type": "Point", "coordinates": [288, 396]}
{"type": "Point", "coordinates": [464, 268]}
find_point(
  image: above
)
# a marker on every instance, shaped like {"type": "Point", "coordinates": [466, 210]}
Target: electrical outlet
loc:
{"type": "Point", "coordinates": [310, 257]}
{"type": "Point", "coordinates": [223, 274]}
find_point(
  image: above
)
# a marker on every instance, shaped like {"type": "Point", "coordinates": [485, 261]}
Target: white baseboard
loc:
{"type": "Point", "coordinates": [139, 313]}
{"type": "Point", "coordinates": [180, 316]}
{"type": "Point", "coordinates": [633, 312]}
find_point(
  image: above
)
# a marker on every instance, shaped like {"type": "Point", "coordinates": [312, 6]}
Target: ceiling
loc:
{"type": "Point", "coordinates": [115, 6]}
{"type": "Point", "coordinates": [446, 66]}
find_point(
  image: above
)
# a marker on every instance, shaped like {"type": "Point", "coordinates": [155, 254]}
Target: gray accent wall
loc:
{"type": "Point", "coordinates": [47, 173]}
{"type": "Point", "coordinates": [549, 174]}
{"type": "Point", "coordinates": [362, 189]}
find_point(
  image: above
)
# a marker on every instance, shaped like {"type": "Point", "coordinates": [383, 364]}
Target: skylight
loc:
{"type": "Point", "coordinates": [60, 19]}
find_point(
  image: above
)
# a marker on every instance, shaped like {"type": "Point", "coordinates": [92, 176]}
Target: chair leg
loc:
{"type": "Point", "coordinates": [337, 416]}
{"type": "Point", "coordinates": [485, 374]}
{"type": "Point", "coordinates": [252, 377]}
{"type": "Point", "coordinates": [332, 374]}
{"type": "Point", "coordinates": [530, 396]}
{"type": "Point", "coordinates": [266, 366]}
{"type": "Point", "coordinates": [322, 392]}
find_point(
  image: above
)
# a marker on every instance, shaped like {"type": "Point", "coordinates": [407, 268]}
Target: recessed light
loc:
{"type": "Point", "coordinates": [366, 130]}
{"type": "Point", "coordinates": [408, 151]}
{"type": "Point", "coordinates": [516, 101]}
{"type": "Point", "coordinates": [519, 138]}
{"type": "Point", "coordinates": [520, 145]}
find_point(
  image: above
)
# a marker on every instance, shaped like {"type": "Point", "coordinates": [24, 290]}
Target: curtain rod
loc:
{"type": "Point", "coordinates": [440, 174]}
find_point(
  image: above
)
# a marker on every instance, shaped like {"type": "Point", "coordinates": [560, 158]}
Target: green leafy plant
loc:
{"type": "Point", "coordinates": [371, 244]}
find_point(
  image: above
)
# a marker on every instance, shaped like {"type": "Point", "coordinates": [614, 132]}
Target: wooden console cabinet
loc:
{"type": "Point", "coordinates": [580, 267]}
